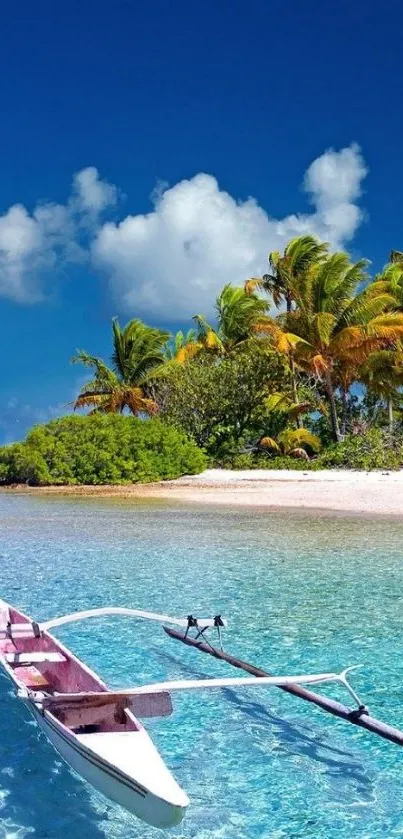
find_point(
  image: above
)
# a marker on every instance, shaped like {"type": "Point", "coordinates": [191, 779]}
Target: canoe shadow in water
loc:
{"type": "Point", "coordinates": [293, 739]}
{"type": "Point", "coordinates": [39, 795]}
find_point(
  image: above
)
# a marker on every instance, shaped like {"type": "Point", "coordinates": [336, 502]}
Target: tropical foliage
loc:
{"type": "Point", "coordinates": [181, 347]}
{"type": "Point", "coordinates": [239, 315]}
{"type": "Point", "coordinates": [298, 442]}
{"type": "Point", "coordinates": [289, 271]}
{"type": "Point", "coordinates": [314, 345]}
{"type": "Point", "coordinates": [340, 326]}
{"type": "Point", "coordinates": [137, 350]}
{"type": "Point", "coordinates": [222, 401]}
{"type": "Point", "coordinates": [100, 450]}
{"type": "Point", "coordinates": [374, 449]}
{"type": "Point", "coordinates": [303, 366]}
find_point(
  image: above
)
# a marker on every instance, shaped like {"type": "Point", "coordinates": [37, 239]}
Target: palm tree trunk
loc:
{"type": "Point", "coordinates": [298, 418]}
{"type": "Point", "coordinates": [344, 412]}
{"type": "Point", "coordinates": [390, 414]}
{"type": "Point", "coordinates": [333, 410]}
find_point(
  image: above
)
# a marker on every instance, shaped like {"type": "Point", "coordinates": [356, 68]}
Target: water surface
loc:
{"type": "Point", "coordinates": [303, 592]}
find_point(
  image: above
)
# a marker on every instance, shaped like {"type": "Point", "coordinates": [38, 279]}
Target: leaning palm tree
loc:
{"type": "Point", "coordinates": [288, 271]}
{"type": "Point", "coordinates": [240, 316]}
{"type": "Point", "coordinates": [339, 325]}
{"type": "Point", "coordinates": [137, 350]}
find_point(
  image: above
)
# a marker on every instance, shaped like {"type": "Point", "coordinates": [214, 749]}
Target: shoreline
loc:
{"type": "Point", "coordinates": [377, 493]}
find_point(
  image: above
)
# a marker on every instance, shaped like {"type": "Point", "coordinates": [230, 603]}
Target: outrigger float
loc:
{"type": "Point", "coordinates": [97, 730]}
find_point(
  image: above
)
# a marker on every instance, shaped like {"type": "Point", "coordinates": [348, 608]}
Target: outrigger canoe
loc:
{"type": "Point", "coordinates": [103, 741]}
{"type": "Point", "coordinates": [97, 730]}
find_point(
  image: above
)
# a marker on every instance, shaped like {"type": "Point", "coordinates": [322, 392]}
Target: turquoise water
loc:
{"type": "Point", "coordinates": [303, 593]}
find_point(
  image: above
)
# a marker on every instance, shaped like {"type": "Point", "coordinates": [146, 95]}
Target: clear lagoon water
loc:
{"type": "Point", "coordinates": [303, 592]}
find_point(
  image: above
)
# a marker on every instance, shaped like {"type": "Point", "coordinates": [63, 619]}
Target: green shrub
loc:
{"type": "Point", "coordinates": [261, 461]}
{"type": "Point", "coordinates": [286, 462]}
{"type": "Point", "coordinates": [376, 449]}
{"type": "Point", "coordinates": [101, 449]}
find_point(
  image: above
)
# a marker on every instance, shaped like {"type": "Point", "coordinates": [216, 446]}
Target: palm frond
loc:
{"type": "Point", "coordinates": [120, 350]}
{"type": "Point", "coordinates": [363, 308]}
{"type": "Point", "coordinates": [323, 325]}
{"type": "Point", "coordinates": [326, 281]}
{"type": "Point", "coordinates": [90, 400]}
{"type": "Point", "coordinates": [254, 284]}
{"type": "Point", "coordinates": [101, 369]}
{"type": "Point", "coordinates": [269, 443]}
{"type": "Point", "coordinates": [354, 277]}
{"type": "Point", "coordinates": [303, 252]}
{"type": "Point", "coordinates": [202, 327]}
{"type": "Point", "coordinates": [298, 437]}
{"type": "Point", "coordinates": [282, 402]}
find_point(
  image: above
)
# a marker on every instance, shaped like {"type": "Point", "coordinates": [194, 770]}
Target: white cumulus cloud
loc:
{"type": "Point", "coordinates": [171, 262]}
{"type": "Point", "coordinates": [21, 248]}
{"type": "Point", "coordinates": [32, 245]}
{"type": "Point", "coordinates": [334, 182]}
{"type": "Point", "coordinates": [90, 193]}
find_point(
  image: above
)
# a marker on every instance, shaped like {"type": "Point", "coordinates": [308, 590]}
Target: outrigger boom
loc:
{"type": "Point", "coordinates": [33, 629]}
{"type": "Point", "coordinates": [357, 716]}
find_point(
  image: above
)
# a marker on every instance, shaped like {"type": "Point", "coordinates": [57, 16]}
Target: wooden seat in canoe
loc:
{"type": "Point", "coordinates": [17, 657]}
{"type": "Point", "coordinates": [18, 630]}
{"type": "Point", "coordinates": [32, 678]}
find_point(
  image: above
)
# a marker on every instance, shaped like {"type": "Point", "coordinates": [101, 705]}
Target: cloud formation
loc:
{"type": "Point", "coordinates": [32, 245]}
{"type": "Point", "coordinates": [90, 194]}
{"type": "Point", "coordinates": [171, 262]}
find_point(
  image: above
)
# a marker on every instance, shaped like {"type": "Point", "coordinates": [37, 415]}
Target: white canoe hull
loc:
{"type": "Point", "coordinates": [109, 780]}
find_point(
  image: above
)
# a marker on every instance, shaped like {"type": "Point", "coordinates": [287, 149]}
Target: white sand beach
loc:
{"type": "Point", "coordinates": [357, 492]}
{"type": "Point", "coordinates": [377, 493]}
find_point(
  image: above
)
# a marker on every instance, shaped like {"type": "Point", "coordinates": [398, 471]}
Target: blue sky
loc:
{"type": "Point", "coordinates": [153, 152]}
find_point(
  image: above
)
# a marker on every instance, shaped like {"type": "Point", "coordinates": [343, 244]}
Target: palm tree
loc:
{"type": "Point", "coordinates": [339, 325]}
{"type": "Point", "coordinates": [286, 281]}
{"type": "Point", "coordinates": [382, 375]}
{"type": "Point", "coordinates": [288, 271]}
{"type": "Point", "coordinates": [294, 443]}
{"type": "Point", "coordinates": [137, 350]}
{"type": "Point", "coordinates": [240, 315]}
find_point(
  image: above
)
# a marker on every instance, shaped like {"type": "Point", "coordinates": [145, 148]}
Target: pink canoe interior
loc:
{"type": "Point", "coordinates": [64, 674]}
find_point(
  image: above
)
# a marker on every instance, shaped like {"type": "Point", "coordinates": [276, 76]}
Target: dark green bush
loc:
{"type": "Point", "coordinates": [101, 449]}
{"type": "Point", "coordinates": [376, 449]}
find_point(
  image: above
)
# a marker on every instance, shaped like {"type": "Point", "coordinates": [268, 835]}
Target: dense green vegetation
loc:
{"type": "Point", "coordinates": [302, 368]}
{"type": "Point", "coordinates": [101, 449]}
{"type": "Point", "coordinates": [222, 402]}
{"type": "Point", "coordinates": [375, 449]}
